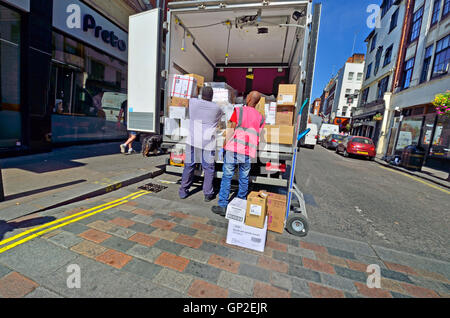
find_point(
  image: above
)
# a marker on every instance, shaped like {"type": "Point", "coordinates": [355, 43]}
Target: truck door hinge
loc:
{"type": "Point", "coordinates": [166, 25]}
{"type": "Point", "coordinates": [164, 74]}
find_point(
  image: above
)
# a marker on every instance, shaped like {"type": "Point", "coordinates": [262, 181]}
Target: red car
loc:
{"type": "Point", "coordinates": [358, 146]}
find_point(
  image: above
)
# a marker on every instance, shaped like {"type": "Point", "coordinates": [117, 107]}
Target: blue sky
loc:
{"type": "Point", "coordinates": [341, 21]}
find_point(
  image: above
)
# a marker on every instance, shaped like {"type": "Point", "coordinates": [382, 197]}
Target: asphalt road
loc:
{"type": "Point", "coordinates": [358, 199]}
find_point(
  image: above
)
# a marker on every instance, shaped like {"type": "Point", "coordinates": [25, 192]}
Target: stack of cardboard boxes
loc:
{"type": "Point", "coordinates": [282, 131]}
{"type": "Point", "coordinates": [249, 220]}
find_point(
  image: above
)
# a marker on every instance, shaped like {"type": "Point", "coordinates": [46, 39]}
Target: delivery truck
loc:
{"type": "Point", "coordinates": [235, 47]}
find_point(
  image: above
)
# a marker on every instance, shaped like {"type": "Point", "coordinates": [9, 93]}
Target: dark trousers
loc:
{"type": "Point", "coordinates": [195, 156]}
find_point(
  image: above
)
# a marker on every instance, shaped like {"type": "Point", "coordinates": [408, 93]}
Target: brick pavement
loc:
{"type": "Point", "coordinates": [183, 255]}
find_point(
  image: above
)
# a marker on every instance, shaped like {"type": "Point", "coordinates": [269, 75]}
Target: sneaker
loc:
{"type": "Point", "coordinates": [184, 196]}
{"type": "Point", "coordinates": [131, 151]}
{"type": "Point", "coordinates": [123, 148]}
{"type": "Point", "coordinates": [219, 210]}
{"type": "Point", "coordinates": [209, 198]}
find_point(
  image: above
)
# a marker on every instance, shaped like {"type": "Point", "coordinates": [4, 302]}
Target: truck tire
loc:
{"type": "Point", "coordinates": [297, 225]}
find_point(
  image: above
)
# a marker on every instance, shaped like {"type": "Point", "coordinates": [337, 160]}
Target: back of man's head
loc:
{"type": "Point", "coordinates": [253, 99]}
{"type": "Point", "coordinates": [207, 93]}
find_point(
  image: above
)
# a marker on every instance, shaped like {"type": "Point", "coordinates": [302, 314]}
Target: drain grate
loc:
{"type": "Point", "coordinates": [154, 188]}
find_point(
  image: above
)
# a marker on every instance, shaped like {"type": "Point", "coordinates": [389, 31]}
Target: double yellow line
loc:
{"type": "Point", "coordinates": [66, 221]}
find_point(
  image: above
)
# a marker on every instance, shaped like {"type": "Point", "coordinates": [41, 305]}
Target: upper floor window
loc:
{"type": "Point", "coordinates": [385, 6]}
{"type": "Point", "coordinates": [388, 56]}
{"type": "Point", "coordinates": [369, 71]}
{"type": "Point", "coordinates": [446, 9]}
{"type": "Point", "coordinates": [416, 25]}
{"type": "Point", "coordinates": [374, 43]}
{"type": "Point", "coordinates": [407, 73]}
{"type": "Point", "coordinates": [426, 64]}
{"type": "Point", "coordinates": [394, 20]}
{"type": "Point", "coordinates": [359, 77]}
{"type": "Point", "coordinates": [378, 60]}
{"type": "Point", "coordinates": [436, 11]}
{"type": "Point", "coordinates": [365, 96]}
{"type": "Point", "coordinates": [442, 57]}
{"type": "Point", "coordinates": [350, 76]}
{"type": "Point", "coordinates": [382, 87]}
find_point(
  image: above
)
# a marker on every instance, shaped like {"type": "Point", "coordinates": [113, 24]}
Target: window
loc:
{"type": "Point", "coordinates": [357, 91]}
{"type": "Point", "coordinates": [365, 96]}
{"type": "Point", "coordinates": [350, 76]}
{"type": "Point", "coordinates": [378, 60]}
{"type": "Point", "coordinates": [407, 73]}
{"type": "Point", "coordinates": [385, 6]}
{"type": "Point", "coordinates": [382, 87]}
{"type": "Point", "coordinates": [426, 63]}
{"type": "Point", "coordinates": [446, 9]}
{"type": "Point", "coordinates": [359, 76]}
{"type": "Point", "coordinates": [369, 70]}
{"type": "Point", "coordinates": [416, 25]}
{"type": "Point", "coordinates": [374, 43]}
{"type": "Point", "coordinates": [436, 11]}
{"type": "Point", "coordinates": [409, 132]}
{"type": "Point", "coordinates": [441, 141]}
{"type": "Point", "coordinates": [388, 56]}
{"type": "Point", "coordinates": [442, 57]}
{"type": "Point", "coordinates": [348, 91]}
{"type": "Point", "coordinates": [344, 111]}
{"type": "Point", "coordinates": [394, 20]}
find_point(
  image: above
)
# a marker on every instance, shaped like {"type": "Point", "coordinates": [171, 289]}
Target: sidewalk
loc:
{"type": "Point", "coordinates": [432, 175]}
{"type": "Point", "coordinates": [41, 181]}
{"type": "Point", "coordinates": [157, 248]}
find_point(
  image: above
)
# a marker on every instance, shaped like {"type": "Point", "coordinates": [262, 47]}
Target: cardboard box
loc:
{"type": "Point", "coordinates": [276, 212]}
{"type": "Point", "coordinates": [183, 86]}
{"type": "Point", "coordinates": [256, 210]}
{"type": "Point", "coordinates": [171, 127]}
{"type": "Point", "coordinates": [246, 236]}
{"type": "Point", "coordinates": [236, 210]}
{"type": "Point", "coordinates": [200, 79]}
{"type": "Point", "coordinates": [285, 115]}
{"type": "Point", "coordinates": [177, 112]}
{"type": "Point", "coordinates": [276, 134]}
{"type": "Point", "coordinates": [287, 95]}
{"type": "Point", "coordinates": [271, 113]}
{"type": "Point", "coordinates": [177, 101]}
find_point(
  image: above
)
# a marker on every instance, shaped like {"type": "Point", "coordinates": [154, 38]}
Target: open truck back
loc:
{"type": "Point", "coordinates": [250, 45]}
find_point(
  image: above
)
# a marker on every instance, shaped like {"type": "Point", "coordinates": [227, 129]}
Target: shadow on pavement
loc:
{"type": "Point", "coordinates": [6, 227]}
{"type": "Point", "coordinates": [32, 192]}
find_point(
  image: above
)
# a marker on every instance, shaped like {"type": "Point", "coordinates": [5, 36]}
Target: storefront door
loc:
{"type": "Point", "coordinates": [62, 89]}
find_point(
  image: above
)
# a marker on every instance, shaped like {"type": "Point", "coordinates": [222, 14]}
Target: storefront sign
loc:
{"type": "Point", "coordinates": [21, 4]}
{"type": "Point", "coordinates": [77, 19]}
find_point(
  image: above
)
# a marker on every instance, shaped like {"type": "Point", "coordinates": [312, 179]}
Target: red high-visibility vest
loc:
{"type": "Point", "coordinates": [245, 140]}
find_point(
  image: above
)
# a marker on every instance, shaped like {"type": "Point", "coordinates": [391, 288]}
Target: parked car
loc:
{"type": "Point", "coordinates": [357, 146]}
{"type": "Point", "coordinates": [311, 137]}
{"type": "Point", "coordinates": [327, 130]}
{"type": "Point", "coordinates": [332, 141]}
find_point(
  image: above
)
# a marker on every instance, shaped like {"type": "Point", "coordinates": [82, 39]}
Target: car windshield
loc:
{"type": "Point", "coordinates": [338, 137]}
{"type": "Point", "coordinates": [362, 141]}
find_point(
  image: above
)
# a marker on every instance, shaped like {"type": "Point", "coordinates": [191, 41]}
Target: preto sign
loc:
{"type": "Point", "coordinates": [108, 37]}
{"type": "Point", "coordinates": [80, 21]}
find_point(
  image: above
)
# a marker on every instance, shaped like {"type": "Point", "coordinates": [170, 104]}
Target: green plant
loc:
{"type": "Point", "coordinates": [442, 104]}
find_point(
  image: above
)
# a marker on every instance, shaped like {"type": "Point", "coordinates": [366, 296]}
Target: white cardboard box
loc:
{"type": "Point", "coordinates": [183, 86]}
{"type": "Point", "coordinates": [247, 236]}
{"type": "Point", "coordinates": [176, 112]}
{"type": "Point", "coordinates": [236, 210]}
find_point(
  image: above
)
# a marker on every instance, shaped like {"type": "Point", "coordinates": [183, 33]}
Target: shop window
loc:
{"type": "Point", "coordinates": [442, 57]}
{"type": "Point", "coordinates": [416, 25]}
{"type": "Point", "coordinates": [427, 131]}
{"type": "Point", "coordinates": [409, 132]}
{"type": "Point", "coordinates": [441, 141]}
{"type": "Point", "coordinates": [10, 101]}
{"type": "Point", "coordinates": [426, 64]}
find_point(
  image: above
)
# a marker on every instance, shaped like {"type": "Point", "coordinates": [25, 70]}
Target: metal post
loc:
{"type": "Point", "coordinates": [2, 193]}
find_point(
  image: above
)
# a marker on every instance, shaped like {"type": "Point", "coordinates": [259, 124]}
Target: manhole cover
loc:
{"type": "Point", "coordinates": [154, 188]}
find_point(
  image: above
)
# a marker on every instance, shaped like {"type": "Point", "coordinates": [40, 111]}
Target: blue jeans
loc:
{"type": "Point", "coordinates": [231, 161]}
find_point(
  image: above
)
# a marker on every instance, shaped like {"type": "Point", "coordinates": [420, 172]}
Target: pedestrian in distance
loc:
{"type": "Point", "coordinates": [132, 135]}
{"type": "Point", "coordinates": [241, 146]}
{"type": "Point", "coordinates": [204, 118]}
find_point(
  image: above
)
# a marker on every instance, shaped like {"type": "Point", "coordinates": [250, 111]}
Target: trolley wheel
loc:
{"type": "Point", "coordinates": [297, 225]}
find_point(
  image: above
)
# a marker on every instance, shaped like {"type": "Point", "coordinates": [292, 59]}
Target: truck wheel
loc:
{"type": "Point", "coordinates": [297, 225]}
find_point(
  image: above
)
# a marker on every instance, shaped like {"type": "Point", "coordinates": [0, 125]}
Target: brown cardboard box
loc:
{"type": "Point", "coordinates": [276, 211]}
{"type": "Point", "coordinates": [177, 101]}
{"type": "Point", "coordinates": [283, 135]}
{"type": "Point", "coordinates": [200, 79]}
{"type": "Point", "coordinates": [261, 107]}
{"type": "Point", "coordinates": [287, 95]}
{"type": "Point", "coordinates": [285, 115]}
{"type": "Point", "coordinates": [256, 210]}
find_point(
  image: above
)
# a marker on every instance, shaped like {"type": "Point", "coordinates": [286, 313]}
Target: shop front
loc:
{"type": "Point", "coordinates": [367, 121]}
{"type": "Point", "coordinates": [88, 80]}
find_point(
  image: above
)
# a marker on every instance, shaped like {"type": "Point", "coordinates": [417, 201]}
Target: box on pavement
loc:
{"type": "Point", "coordinates": [256, 209]}
{"type": "Point", "coordinates": [287, 95]}
{"type": "Point", "coordinates": [177, 112]}
{"type": "Point", "coordinates": [276, 134]}
{"type": "Point", "coordinates": [236, 210]}
{"type": "Point", "coordinates": [177, 101]}
{"type": "Point", "coordinates": [285, 115]}
{"type": "Point", "coordinates": [276, 212]}
{"type": "Point", "coordinates": [200, 79]}
{"type": "Point", "coordinates": [242, 235]}
{"type": "Point", "coordinates": [183, 86]}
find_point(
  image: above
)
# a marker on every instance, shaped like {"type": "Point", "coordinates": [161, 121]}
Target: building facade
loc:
{"type": "Point", "coordinates": [422, 73]}
{"type": "Point", "coordinates": [315, 107]}
{"type": "Point", "coordinates": [383, 43]}
{"type": "Point", "coordinates": [348, 87]}
{"type": "Point", "coordinates": [63, 71]}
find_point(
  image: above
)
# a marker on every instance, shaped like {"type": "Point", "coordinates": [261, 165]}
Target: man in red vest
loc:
{"type": "Point", "coordinates": [241, 148]}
